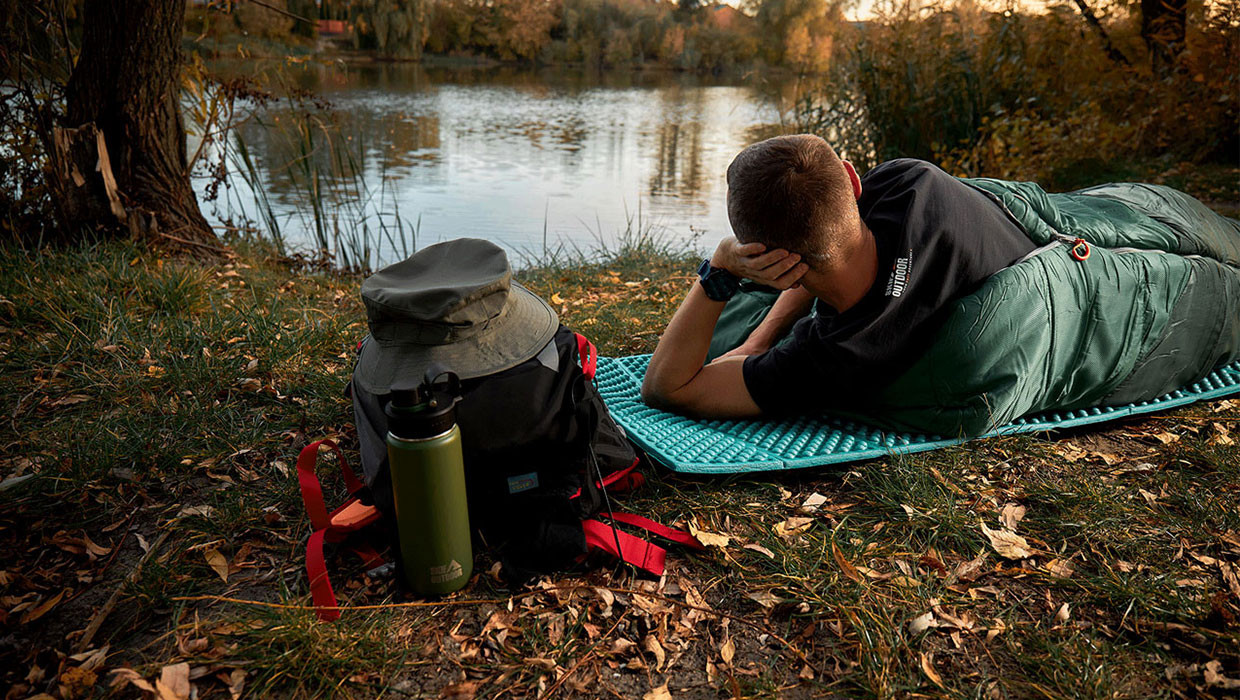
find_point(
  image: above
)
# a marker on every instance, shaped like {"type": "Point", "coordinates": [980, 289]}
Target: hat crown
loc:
{"type": "Point", "coordinates": [439, 293]}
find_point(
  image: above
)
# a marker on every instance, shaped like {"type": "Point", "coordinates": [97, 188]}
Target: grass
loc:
{"type": "Point", "coordinates": [145, 397]}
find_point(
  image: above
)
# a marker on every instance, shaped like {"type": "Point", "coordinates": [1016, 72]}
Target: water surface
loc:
{"type": "Point", "coordinates": [531, 159]}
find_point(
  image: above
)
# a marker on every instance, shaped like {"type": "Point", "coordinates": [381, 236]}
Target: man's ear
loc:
{"type": "Point", "coordinates": [852, 177]}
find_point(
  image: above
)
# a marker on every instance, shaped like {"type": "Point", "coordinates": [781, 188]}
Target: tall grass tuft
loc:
{"type": "Point", "coordinates": [336, 215]}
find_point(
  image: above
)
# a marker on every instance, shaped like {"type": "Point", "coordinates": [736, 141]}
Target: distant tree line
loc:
{"type": "Point", "coordinates": [687, 35]}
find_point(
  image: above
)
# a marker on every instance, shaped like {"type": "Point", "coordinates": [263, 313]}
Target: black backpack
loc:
{"type": "Point", "coordinates": [543, 459]}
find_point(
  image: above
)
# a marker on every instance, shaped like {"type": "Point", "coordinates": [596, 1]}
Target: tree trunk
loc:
{"type": "Point", "coordinates": [123, 110]}
{"type": "Point", "coordinates": [1162, 27]}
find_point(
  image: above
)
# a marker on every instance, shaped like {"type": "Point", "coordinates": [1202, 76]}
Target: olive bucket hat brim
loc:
{"type": "Point", "coordinates": [453, 304]}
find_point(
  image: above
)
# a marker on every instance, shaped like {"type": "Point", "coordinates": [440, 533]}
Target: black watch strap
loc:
{"type": "Point", "coordinates": [718, 283]}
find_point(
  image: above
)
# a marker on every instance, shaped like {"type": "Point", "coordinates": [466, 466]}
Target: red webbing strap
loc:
{"type": "Point", "coordinates": [644, 555]}
{"type": "Point", "coordinates": [631, 480]}
{"type": "Point", "coordinates": [587, 354]}
{"type": "Point", "coordinates": [370, 558]}
{"type": "Point", "coordinates": [320, 584]}
{"type": "Point", "coordinates": [311, 490]}
{"type": "Point", "coordinates": [655, 528]}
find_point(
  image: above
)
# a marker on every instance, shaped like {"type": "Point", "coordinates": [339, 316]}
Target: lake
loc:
{"type": "Point", "coordinates": [534, 160]}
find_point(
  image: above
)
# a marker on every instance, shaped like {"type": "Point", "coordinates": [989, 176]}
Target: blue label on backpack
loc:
{"type": "Point", "coordinates": [522, 482]}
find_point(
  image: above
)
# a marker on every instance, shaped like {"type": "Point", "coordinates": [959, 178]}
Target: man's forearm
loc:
{"type": "Point", "coordinates": [790, 307]}
{"type": "Point", "coordinates": [681, 351]}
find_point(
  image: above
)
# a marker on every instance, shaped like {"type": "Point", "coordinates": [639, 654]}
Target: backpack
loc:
{"type": "Point", "coordinates": [543, 459]}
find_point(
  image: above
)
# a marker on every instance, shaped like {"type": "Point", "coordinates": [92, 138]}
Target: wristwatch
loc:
{"type": "Point", "coordinates": [718, 283]}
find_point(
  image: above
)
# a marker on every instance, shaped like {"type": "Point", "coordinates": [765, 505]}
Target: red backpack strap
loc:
{"type": "Point", "coordinates": [320, 585]}
{"type": "Point", "coordinates": [308, 480]}
{"type": "Point", "coordinates": [619, 481]}
{"type": "Point", "coordinates": [588, 355]}
{"type": "Point", "coordinates": [655, 528]}
{"type": "Point", "coordinates": [644, 555]}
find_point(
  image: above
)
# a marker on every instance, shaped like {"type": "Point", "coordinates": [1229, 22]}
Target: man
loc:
{"type": "Point", "coordinates": [879, 259]}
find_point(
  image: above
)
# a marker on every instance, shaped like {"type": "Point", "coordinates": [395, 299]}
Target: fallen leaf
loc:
{"type": "Point", "coordinates": [217, 562]}
{"type": "Point", "coordinates": [652, 645]}
{"type": "Point", "coordinates": [1230, 577]}
{"type": "Point", "coordinates": [760, 550]}
{"type": "Point", "coordinates": [557, 299]}
{"type": "Point", "coordinates": [921, 623]}
{"type": "Point", "coordinates": [846, 566]}
{"type": "Point", "coordinates": [173, 682]}
{"type": "Point", "coordinates": [539, 662]}
{"type": "Point", "coordinates": [91, 660]}
{"type": "Point", "coordinates": [1011, 515]}
{"type": "Point", "coordinates": [968, 570]}
{"type": "Point", "coordinates": [710, 539]}
{"type": "Point", "coordinates": [1150, 498]}
{"type": "Point", "coordinates": [1214, 676]}
{"type": "Point", "coordinates": [765, 598]}
{"type": "Point", "coordinates": [1060, 568]}
{"type": "Point", "coordinates": [793, 526]}
{"type": "Point", "coordinates": [249, 384]}
{"type": "Point", "coordinates": [42, 609]}
{"type": "Point", "coordinates": [1063, 613]}
{"type": "Point", "coordinates": [204, 511]}
{"type": "Point", "coordinates": [727, 651]}
{"type": "Point", "coordinates": [123, 676]}
{"type": "Point", "coordinates": [236, 683]}
{"type": "Point", "coordinates": [927, 667]}
{"type": "Point", "coordinates": [1007, 544]}
{"type": "Point", "coordinates": [813, 503]}
{"type": "Point", "coordinates": [660, 693]}
{"type": "Point", "coordinates": [465, 690]}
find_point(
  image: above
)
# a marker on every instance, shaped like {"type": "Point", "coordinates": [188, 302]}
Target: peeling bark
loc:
{"type": "Point", "coordinates": [124, 128]}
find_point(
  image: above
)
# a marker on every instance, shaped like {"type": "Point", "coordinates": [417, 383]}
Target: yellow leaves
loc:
{"type": "Point", "coordinates": [850, 572]}
{"type": "Point", "coordinates": [793, 526]}
{"type": "Point", "coordinates": [1011, 515]}
{"type": "Point", "coordinates": [1063, 614]}
{"type": "Point", "coordinates": [1060, 568]}
{"type": "Point", "coordinates": [556, 299]}
{"type": "Point", "coordinates": [710, 539]}
{"type": "Point", "coordinates": [1007, 544]}
{"type": "Point", "coordinates": [659, 693]}
{"type": "Point", "coordinates": [652, 645]}
{"type": "Point", "coordinates": [927, 667]}
{"type": "Point", "coordinates": [43, 608]}
{"type": "Point", "coordinates": [173, 682]}
{"type": "Point", "coordinates": [218, 563]}
{"type": "Point", "coordinates": [922, 622]}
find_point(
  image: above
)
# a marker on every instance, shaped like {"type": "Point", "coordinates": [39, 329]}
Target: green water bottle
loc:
{"type": "Point", "coordinates": [428, 485]}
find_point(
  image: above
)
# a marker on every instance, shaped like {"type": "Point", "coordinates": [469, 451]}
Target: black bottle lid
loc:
{"type": "Point", "coordinates": [426, 410]}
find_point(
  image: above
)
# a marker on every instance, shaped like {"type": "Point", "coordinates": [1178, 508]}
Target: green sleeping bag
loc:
{"type": "Point", "coordinates": [1154, 306]}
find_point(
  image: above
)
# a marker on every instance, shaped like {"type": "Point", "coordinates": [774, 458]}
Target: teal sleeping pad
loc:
{"type": "Point", "coordinates": [731, 446]}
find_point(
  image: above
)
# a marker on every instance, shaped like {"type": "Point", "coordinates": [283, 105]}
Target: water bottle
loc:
{"type": "Point", "coordinates": [428, 485]}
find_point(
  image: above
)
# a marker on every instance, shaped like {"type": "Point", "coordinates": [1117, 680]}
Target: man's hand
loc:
{"type": "Point", "coordinates": [775, 268]}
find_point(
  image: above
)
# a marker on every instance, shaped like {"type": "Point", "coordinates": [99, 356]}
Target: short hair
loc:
{"type": "Point", "coordinates": [792, 192]}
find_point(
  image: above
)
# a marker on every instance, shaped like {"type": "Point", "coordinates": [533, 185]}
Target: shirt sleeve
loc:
{"type": "Point", "coordinates": [787, 379]}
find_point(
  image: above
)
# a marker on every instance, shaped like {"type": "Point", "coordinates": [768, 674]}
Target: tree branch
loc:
{"type": "Point", "coordinates": [1092, 20]}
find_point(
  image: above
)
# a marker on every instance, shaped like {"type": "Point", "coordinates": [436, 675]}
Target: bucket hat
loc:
{"type": "Point", "coordinates": [452, 303]}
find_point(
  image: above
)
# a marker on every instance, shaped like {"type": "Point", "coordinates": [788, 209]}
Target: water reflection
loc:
{"type": "Point", "coordinates": [506, 154]}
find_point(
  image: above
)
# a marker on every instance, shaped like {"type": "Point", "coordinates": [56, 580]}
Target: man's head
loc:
{"type": "Point", "coordinates": [794, 192]}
